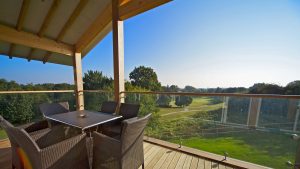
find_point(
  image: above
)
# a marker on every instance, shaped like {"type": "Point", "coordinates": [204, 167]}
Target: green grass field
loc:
{"type": "Point", "coordinates": [263, 148]}
{"type": "Point", "coordinates": [2, 134]}
{"type": "Point", "coordinates": [267, 149]}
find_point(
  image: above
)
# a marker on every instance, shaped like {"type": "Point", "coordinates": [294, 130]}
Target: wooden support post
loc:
{"type": "Point", "coordinates": [296, 120]}
{"type": "Point", "coordinates": [118, 50]}
{"type": "Point", "coordinates": [225, 110]}
{"type": "Point", "coordinates": [78, 81]}
{"type": "Point", "coordinates": [292, 109]}
{"type": "Point", "coordinates": [254, 111]}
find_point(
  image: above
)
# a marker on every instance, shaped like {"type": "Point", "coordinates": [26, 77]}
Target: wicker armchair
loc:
{"type": "Point", "coordinates": [54, 108]}
{"type": "Point", "coordinates": [109, 107]}
{"type": "Point", "coordinates": [34, 133]}
{"type": "Point", "coordinates": [127, 111]}
{"type": "Point", "coordinates": [123, 153]}
{"type": "Point", "coordinates": [47, 152]}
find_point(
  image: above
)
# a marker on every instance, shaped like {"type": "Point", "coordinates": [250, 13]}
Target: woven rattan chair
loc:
{"type": "Point", "coordinates": [33, 132]}
{"type": "Point", "coordinates": [47, 152]}
{"type": "Point", "coordinates": [127, 111]}
{"type": "Point", "coordinates": [123, 153]}
{"type": "Point", "coordinates": [48, 109]}
{"type": "Point", "coordinates": [54, 108]}
{"type": "Point", "coordinates": [109, 107]}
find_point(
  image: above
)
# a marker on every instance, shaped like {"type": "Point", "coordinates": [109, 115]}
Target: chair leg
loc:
{"type": "Point", "coordinates": [143, 166]}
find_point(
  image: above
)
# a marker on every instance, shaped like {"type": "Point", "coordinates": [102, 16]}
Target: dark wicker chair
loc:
{"type": "Point", "coordinates": [54, 108]}
{"type": "Point", "coordinates": [34, 130]}
{"type": "Point", "coordinates": [125, 152]}
{"type": "Point", "coordinates": [109, 107]}
{"type": "Point", "coordinates": [50, 151]}
{"type": "Point", "coordinates": [127, 111]}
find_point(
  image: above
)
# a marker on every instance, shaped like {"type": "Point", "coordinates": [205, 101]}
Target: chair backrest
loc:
{"type": "Point", "coordinates": [133, 131]}
{"type": "Point", "coordinates": [109, 107]}
{"type": "Point", "coordinates": [21, 141]}
{"type": "Point", "coordinates": [54, 108]}
{"type": "Point", "coordinates": [5, 125]}
{"type": "Point", "coordinates": [28, 150]}
{"type": "Point", "coordinates": [129, 110]}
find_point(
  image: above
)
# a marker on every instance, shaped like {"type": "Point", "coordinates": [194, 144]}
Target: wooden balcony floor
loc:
{"type": "Point", "coordinates": [156, 157]}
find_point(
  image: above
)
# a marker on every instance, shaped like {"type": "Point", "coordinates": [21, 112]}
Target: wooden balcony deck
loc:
{"type": "Point", "coordinates": [164, 156]}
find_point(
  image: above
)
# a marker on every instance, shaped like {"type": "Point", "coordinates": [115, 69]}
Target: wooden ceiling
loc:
{"type": "Point", "coordinates": [52, 30]}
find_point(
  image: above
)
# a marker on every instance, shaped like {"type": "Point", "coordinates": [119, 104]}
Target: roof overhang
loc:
{"type": "Point", "coordinates": [53, 30]}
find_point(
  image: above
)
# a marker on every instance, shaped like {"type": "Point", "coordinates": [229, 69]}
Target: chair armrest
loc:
{"type": "Point", "coordinates": [106, 139]}
{"type": "Point", "coordinates": [55, 135]}
{"type": "Point", "coordinates": [50, 155]}
{"type": "Point", "coordinates": [106, 151]}
{"type": "Point", "coordinates": [36, 135]}
{"type": "Point", "coordinates": [31, 127]}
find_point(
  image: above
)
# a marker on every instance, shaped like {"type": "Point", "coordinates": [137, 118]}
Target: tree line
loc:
{"type": "Point", "coordinates": [20, 108]}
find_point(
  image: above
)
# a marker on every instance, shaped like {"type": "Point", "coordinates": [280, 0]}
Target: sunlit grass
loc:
{"type": "Point", "coordinates": [2, 134]}
{"type": "Point", "coordinates": [268, 149]}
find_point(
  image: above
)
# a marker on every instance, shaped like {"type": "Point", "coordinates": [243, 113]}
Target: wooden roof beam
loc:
{"type": "Point", "coordinates": [135, 7]}
{"type": "Point", "coordinates": [68, 24]}
{"type": "Point", "coordinates": [128, 8]}
{"type": "Point", "coordinates": [11, 35]}
{"type": "Point", "coordinates": [20, 24]}
{"type": "Point", "coordinates": [45, 24]}
{"type": "Point", "coordinates": [102, 20]}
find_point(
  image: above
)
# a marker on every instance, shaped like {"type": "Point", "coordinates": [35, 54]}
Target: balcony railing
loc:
{"type": "Point", "coordinates": [252, 128]}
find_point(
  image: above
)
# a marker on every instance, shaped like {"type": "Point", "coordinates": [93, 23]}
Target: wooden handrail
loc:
{"type": "Point", "coordinates": [97, 91]}
{"type": "Point", "coordinates": [275, 96]}
{"type": "Point", "coordinates": [41, 91]}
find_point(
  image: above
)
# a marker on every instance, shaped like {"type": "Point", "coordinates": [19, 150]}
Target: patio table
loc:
{"type": "Point", "coordinates": [83, 119]}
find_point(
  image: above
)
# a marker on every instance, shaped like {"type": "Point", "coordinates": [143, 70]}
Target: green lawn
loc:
{"type": "Point", "coordinates": [198, 105]}
{"type": "Point", "coordinates": [267, 149]}
{"type": "Point", "coordinates": [264, 148]}
{"type": "Point", "coordinates": [2, 134]}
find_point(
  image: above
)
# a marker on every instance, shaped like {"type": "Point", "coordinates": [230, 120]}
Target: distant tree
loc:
{"type": "Point", "coordinates": [182, 101]}
{"type": "Point", "coordinates": [264, 88]}
{"type": "Point", "coordinates": [95, 80]}
{"type": "Point", "coordinates": [17, 108]}
{"type": "Point", "coordinates": [164, 101]}
{"type": "Point", "coordinates": [293, 88]}
{"type": "Point", "coordinates": [173, 88]}
{"type": "Point", "coordinates": [147, 103]}
{"type": "Point", "coordinates": [145, 77]}
{"type": "Point", "coordinates": [189, 89]}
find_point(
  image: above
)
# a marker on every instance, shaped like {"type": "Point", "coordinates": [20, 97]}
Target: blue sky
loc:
{"type": "Point", "coordinates": [203, 43]}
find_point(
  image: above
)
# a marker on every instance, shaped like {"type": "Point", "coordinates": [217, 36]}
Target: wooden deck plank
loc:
{"type": "Point", "coordinates": [156, 158]}
{"type": "Point", "coordinates": [174, 160]}
{"type": "Point", "coordinates": [201, 164]}
{"type": "Point", "coordinates": [187, 162]}
{"type": "Point", "coordinates": [207, 164]}
{"type": "Point", "coordinates": [147, 148]}
{"type": "Point", "coordinates": [148, 153]}
{"type": "Point", "coordinates": [222, 166]}
{"type": "Point", "coordinates": [194, 163]}
{"type": "Point", "coordinates": [214, 165]}
{"type": "Point", "coordinates": [152, 155]}
{"type": "Point", "coordinates": [181, 161]}
{"type": "Point", "coordinates": [162, 159]}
